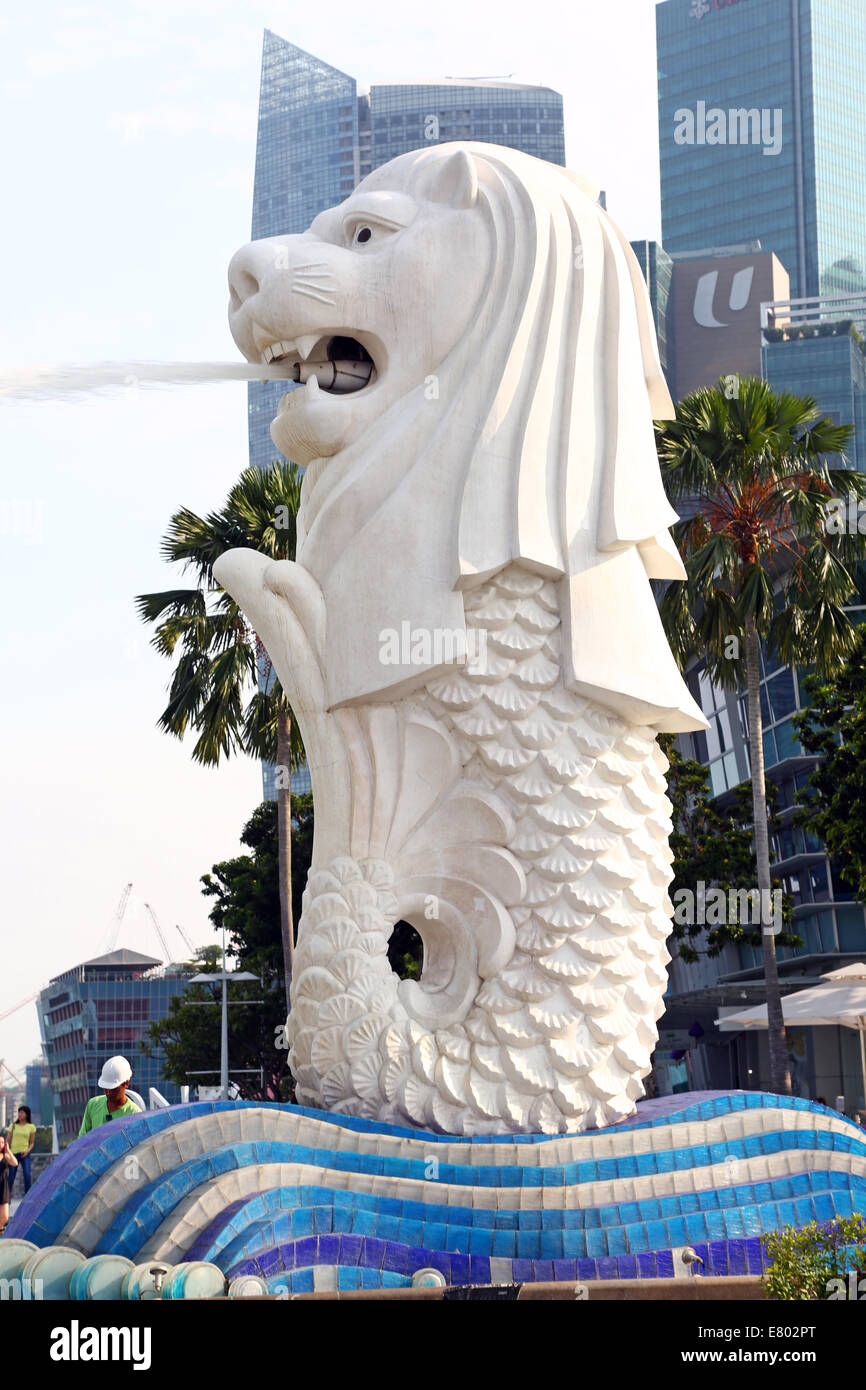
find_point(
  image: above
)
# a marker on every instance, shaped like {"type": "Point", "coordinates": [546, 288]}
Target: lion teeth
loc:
{"type": "Point", "coordinates": [306, 344]}
{"type": "Point", "coordinates": [275, 351]}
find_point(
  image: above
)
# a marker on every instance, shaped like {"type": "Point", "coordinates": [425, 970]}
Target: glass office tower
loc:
{"type": "Point", "coordinates": [97, 1010]}
{"type": "Point", "coordinates": [762, 133]}
{"type": "Point", "coordinates": [658, 269]}
{"type": "Point", "coordinates": [407, 116]}
{"type": "Point", "coordinates": [306, 160]}
{"type": "Point", "coordinates": [817, 347]}
{"type": "Point", "coordinates": [317, 138]}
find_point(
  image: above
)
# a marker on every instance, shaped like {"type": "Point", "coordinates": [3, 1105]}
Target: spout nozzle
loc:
{"type": "Point", "coordinates": [340, 378]}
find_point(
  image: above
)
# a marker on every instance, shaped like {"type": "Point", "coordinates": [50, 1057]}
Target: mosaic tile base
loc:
{"type": "Point", "coordinates": [313, 1200]}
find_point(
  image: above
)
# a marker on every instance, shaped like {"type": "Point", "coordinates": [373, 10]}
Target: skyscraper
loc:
{"type": "Point", "coordinates": [657, 268]}
{"type": "Point", "coordinates": [317, 138]}
{"type": "Point", "coordinates": [818, 348]}
{"type": "Point", "coordinates": [762, 133]}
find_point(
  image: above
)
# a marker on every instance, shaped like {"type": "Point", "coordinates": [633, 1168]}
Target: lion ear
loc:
{"type": "Point", "coordinates": [456, 181]}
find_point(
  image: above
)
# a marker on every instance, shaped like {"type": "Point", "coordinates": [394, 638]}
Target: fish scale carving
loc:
{"type": "Point", "coordinates": [558, 1038]}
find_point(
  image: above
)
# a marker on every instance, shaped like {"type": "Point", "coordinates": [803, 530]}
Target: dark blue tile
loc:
{"type": "Point", "coordinates": [374, 1252]}
{"type": "Point", "coordinates": [480, 1269]}
{"type": "Point", "coordinates": [754, 1257]}
{"type": "Point", "coordinates": [329, 1249]}
{"type": "Point", "coordinates": [737, 1257]}
{"type": "Point", "coordinates": [306, 1250]}
{"type": "Point", "coordinates": [396, 1258]}
{"type": "Point", "coordinates": [665, 1263]}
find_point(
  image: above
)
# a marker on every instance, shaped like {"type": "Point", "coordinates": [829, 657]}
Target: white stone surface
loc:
{"type": "Point", "coordinates": [497, 481]}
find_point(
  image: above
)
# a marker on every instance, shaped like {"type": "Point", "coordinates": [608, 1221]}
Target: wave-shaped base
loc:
{"type": "Point", "coordinates": [311, 1200]}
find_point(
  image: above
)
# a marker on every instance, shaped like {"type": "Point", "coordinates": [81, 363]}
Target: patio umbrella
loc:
{"type": "Point", "coordinates": [840, 1001]}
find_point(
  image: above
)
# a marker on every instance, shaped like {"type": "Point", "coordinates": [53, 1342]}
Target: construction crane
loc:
{"type": "Point", "coordinates": [118, 917]}
{"type": "Point", "coordinates": [159, 931]}
{"type": "Point", "coordinates": [5, 1067]}
{"type": "Point", "coordinates": [185, 939]}
{"type": "Point", "coordinates": [19, 1005]}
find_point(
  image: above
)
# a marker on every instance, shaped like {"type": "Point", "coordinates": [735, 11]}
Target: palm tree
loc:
{"type": "Point", "coordinates": [220, 658]}
{"type": "Point", "coordinates": [751, 471]}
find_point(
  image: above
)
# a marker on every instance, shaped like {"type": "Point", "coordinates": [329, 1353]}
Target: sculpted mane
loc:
{"type": "Point", "coordinates": [532, 441]}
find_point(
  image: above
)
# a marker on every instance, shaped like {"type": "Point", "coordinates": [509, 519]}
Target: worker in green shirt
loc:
{"type": "Point", "coordinates": [116, 1076]}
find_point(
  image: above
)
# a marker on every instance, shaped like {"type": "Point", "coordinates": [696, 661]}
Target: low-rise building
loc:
{"type": "Point", "coordinates": [96, 1010]}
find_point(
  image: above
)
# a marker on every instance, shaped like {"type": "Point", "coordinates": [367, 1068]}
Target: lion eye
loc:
{"type": "Point", "coordinates": [363, 234]}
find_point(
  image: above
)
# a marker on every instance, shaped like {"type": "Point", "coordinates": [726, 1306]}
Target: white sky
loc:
{"type": "Point", "coordinates": [128, 144]}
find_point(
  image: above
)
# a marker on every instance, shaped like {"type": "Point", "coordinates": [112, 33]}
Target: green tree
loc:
{"type": "Point", "coordinates": [713, 845]}
{"type": "Point", "coordinates": [246, 888]}
{"type": "Point", "coordinates": [833, 804]}
{"type": "Point", "coordinates": [405, 951]}
{"type": "Point", "coordinates": [246, 895]}
{"type": "Point", "coordinates": [750, 468]}
{"type": "Point", "coordinates": [812, 1264]}
{"type": "Point", "coordinates": [189, 1036]}
{"type": "Point", "coordinates": [215, 689]}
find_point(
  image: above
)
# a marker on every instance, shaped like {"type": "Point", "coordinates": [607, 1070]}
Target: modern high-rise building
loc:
{"type": "Point", "coordinates": [762, 133]}
{"type": "Point", "coordinates": [38, 1093]}
{"type": "Point", "coordinates": [817, 347]}
{"type": "Point", "coordinates": [100, 1009]}
{"type": "Point", "coordinates": [658, 268]}
{"type": "Point", "coordinates": [707, 307]}
{"type": "Point", "coordinates": [318, 137]}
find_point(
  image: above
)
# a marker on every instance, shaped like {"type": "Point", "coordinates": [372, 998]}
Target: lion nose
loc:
{"type": "Point", "coordinates": [247, 269]}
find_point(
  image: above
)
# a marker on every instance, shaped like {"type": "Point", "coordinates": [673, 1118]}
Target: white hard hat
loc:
{"type": "Point", "coordinates": [114, 1073]}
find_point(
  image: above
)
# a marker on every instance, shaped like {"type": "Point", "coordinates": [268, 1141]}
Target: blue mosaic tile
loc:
{"type": "Point", "coordinates": [627, 1231]}
{"type": "Point", "coordinates": [754, 1257]}
{"type": "Point", "coordinates": [737, 1257]}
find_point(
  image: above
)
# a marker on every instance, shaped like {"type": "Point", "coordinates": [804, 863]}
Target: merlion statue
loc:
{"type": "Point", "coordinates": [469, 641]}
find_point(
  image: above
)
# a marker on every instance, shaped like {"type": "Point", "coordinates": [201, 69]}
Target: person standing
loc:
{"type": "Point", "coordinates": [8, 1164]}
{"type": "Point", "coordinates": [115, 1078]}
{"type": "Point", "coordinates": [22, 1133]}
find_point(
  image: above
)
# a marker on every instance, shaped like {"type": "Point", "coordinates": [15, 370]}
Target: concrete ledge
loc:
{"type": "Point", "coordinates": [747, 1288]}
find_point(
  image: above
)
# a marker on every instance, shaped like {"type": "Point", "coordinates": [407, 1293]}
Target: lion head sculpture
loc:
{"type": "Point", "coordinates": [507, 416]}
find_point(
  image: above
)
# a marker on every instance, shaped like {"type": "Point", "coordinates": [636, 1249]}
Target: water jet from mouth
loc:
{"type": "Point", "coordinates": [51, 382]}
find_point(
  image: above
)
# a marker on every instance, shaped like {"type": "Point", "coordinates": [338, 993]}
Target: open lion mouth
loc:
{"type": "Point", "coordinates": [337, 365]}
